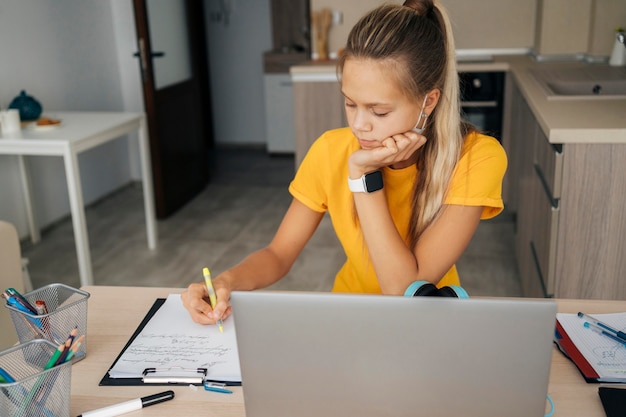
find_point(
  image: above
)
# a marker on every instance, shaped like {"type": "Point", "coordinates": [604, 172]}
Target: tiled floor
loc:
{"type": "Point", "coordinates": [236, 214]}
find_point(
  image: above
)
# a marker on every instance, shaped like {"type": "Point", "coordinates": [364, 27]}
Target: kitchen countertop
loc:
{"type": "Point", "coordinates": [562, 121]}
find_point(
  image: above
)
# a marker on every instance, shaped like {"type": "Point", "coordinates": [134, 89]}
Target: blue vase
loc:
{"type": "Point", "coordinates": [30, 109]}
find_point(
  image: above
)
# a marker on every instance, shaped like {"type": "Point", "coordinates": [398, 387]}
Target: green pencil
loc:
{"type": "Point", "coordinates": [54, 357]}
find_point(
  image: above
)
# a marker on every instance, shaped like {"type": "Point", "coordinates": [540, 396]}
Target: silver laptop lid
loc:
{"type": "Point", "coordinates": [324, 354]}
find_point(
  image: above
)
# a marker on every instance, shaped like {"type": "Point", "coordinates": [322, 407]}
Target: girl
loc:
{"type": "Point", "coordinates": [405, 185]}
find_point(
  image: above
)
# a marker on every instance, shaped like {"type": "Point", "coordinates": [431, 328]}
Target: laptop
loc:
{"type": "Point", "coordinates": [329, 355]}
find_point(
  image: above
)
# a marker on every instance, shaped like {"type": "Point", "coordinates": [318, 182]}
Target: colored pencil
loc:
{"type": "Point", "coordinates": [75, 346]}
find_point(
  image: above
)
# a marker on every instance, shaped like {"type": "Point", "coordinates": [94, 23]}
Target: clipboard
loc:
{"type": "Point", "coordinates": [154, 376]}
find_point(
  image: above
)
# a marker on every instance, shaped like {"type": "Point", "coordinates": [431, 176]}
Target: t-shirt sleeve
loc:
{"type": "Point", "coordinates": [477, 180]}
{"type": "Point", "coordinates": [310, 182]}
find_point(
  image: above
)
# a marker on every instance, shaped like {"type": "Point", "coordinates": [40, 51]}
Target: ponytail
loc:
{"type": "Point", "coordinates": [438, 162]}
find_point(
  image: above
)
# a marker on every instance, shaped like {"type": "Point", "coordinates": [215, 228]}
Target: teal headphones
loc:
{"type": "Point", "coordinates": [428, 289]}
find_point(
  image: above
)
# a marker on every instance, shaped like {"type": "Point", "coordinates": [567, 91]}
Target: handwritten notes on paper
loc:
{"type": "Point", "coordinates": [172, 340]}
{"type": "Point", "coordinates": [606, 356]}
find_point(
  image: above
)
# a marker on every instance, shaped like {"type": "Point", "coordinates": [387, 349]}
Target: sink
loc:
{"type": "Point", "coordinates": [591, 82]}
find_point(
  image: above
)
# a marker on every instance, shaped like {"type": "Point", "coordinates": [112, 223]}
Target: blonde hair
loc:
{"type": "Point", "coordinates": [415, 41]}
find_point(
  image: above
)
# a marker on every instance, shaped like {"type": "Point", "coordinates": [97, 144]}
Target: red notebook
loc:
{"type": "Point", "coordinates": [599, 357]}
{"type": "Point", "coordinates": [566, 346]}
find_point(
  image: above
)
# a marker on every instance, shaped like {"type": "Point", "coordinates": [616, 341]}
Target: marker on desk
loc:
{"type": "Point", "coordinates": [128, 406]}
{"type": "Point", "coordinates": [601, 331]}
{"type": "Point", "coordinates": [212, 296]}
{"type": "Point", "coordinates": [604, 326]}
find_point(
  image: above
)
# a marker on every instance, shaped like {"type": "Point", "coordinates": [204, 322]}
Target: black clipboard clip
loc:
{"type": "Point", "coordinates": [174, 375]}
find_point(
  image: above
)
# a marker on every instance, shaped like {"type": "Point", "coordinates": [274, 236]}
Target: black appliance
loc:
{"type": "Point", "coordinates": [481, 100]}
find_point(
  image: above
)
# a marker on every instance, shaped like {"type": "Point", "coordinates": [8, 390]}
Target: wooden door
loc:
{"type": "Point", "coordinates": [173, 61]}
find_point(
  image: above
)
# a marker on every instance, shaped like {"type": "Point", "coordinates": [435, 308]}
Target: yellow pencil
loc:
{"type": "Point", "coordinates": [212, 296]}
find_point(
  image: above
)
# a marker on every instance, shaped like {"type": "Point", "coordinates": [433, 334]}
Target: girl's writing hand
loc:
{"type": "Point", "coordinates": [196, 301]}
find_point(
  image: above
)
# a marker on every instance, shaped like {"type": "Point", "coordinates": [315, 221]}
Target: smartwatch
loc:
{"type": "Point", "coordinates": [368, 183]}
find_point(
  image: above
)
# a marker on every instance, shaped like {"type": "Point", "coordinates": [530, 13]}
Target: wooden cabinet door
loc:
{"type": "Point", "coordinates": [318, 107]}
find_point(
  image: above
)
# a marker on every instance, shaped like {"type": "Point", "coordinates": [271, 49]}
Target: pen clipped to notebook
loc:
{"type": "Point", "coordinates": [212, 296]}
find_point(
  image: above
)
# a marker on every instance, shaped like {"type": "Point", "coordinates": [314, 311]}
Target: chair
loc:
{"type": "Point", "coordinates": [12, 269]}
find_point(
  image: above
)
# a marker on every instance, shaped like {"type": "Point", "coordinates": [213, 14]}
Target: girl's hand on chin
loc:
{"type": "Point", "coordinates": [394, 149]}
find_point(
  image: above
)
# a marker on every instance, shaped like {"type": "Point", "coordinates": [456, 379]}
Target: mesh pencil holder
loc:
{"type": "Point", "coordinates": [36, 391]}
{"type": "Point", "coordinates": [67, 309]}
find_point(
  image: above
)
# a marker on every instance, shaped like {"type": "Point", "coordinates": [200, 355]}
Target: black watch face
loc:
{"type": "Point", "coordinates": [373, 181]}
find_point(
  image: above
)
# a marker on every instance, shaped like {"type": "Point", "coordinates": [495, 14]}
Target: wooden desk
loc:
{"type": "Point", "coordinates": [79, 132]}
{"type": "Point", "coordinates": [115, 312]}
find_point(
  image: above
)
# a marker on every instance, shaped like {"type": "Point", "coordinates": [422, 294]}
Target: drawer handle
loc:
{"type": "Point", "coordinates": [554, 202]}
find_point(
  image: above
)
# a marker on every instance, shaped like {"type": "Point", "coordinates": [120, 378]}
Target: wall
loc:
{"type": "Point", "coordinates": [65, 53]}
{"type": "Point", "coordinates": [236, 66]}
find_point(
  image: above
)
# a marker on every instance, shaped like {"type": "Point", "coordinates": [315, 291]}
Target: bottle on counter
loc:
{"type": "Point", "coordinates": [618, 57]}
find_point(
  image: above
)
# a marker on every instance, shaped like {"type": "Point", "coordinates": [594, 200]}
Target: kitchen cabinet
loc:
{"type": "Point", "coordinates": [318, 107]}
{"type": "Point", "coordinates": [290, 46]}
{"type": "Point", "coordinates": [279, 116]}
{"type": "Point", "coordinates": [570, 222]}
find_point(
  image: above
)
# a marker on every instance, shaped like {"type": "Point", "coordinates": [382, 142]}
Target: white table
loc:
{"type": "Point", "coordinates": [78, 132]}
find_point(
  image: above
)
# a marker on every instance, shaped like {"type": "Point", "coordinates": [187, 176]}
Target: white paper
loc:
{"type": "Point", "coordinates": [171, 339]}
{"type": "Point", "coordinates": [606, 356]}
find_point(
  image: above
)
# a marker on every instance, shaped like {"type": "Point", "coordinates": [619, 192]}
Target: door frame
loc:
{"type": "Point", "coordinates": [199, 65]}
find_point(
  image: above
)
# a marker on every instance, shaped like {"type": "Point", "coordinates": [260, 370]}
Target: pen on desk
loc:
{"type": "Point", "coordinates": [604, 326]}
{"type": "Point", "coordinates": [212, 296]}
{"type": "Point", "coordinates": [216, 387]}
{"type": "Point", "coordinates": [603, 332]}
{"type": "Point", "coordinates": [128, 406]}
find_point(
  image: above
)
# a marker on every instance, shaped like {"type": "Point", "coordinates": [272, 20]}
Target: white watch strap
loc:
{"type": "Point", "coordinates": [358, 185]}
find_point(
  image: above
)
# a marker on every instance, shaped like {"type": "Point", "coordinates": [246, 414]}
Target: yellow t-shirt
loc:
{"type": "Point", "coordinates": [321, 184]}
